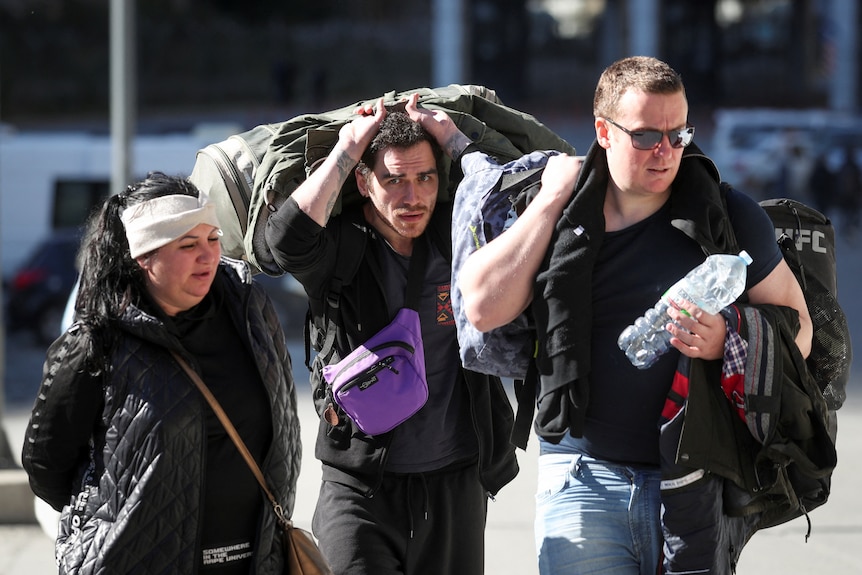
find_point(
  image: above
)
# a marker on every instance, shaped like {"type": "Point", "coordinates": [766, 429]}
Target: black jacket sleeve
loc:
{"type": "Point", "coordinates": [57, 441]}
{"type": "Point", "coordinates": [301, 247]}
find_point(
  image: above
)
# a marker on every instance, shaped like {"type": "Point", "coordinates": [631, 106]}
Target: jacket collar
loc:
{"type": "Point", "coordinates": [697, 202]}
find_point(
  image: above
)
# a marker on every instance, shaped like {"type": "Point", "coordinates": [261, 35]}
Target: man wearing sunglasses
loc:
{"type": "Point", "coordinates": [598, 246]}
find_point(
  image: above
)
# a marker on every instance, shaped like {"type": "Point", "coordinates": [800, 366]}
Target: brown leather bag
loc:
{"type": "Point", "coordinates": [301, 553]}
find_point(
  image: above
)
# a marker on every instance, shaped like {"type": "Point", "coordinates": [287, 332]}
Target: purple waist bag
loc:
{"type": "Point", "coordinates": [382, 383]}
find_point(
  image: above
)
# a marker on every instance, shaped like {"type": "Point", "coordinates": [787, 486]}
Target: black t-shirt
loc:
{"type": "Point", "coordinates": [232, 496]}
{"type": "Point", "coordinates": [634, 268]}
{"type": "Point", "coordinates": [441, 433]}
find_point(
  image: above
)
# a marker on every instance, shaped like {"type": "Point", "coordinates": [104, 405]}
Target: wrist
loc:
{"type": "Point", "coordinates": [459, 145]}
{"type": "Point", "coordinates": [347, 152]}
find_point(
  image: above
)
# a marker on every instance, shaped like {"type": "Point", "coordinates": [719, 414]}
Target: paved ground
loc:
{"type": "Point", "coordinates": [834, 546]}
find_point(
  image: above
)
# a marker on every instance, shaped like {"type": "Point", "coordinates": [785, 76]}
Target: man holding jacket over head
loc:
{"type": "Point", "coordinates": [412, 500]}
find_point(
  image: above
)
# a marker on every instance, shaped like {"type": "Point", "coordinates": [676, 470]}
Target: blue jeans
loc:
{"type": "Point", "coordinates": [597, 517]}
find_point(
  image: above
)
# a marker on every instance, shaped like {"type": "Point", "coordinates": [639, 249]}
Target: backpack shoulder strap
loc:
{"type": "Point", "coordinates": [526, 391]}
{"type": "Point", "coordinates": [351, 246]}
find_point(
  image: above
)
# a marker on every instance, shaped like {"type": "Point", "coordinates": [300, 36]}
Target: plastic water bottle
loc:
{"type": "Point", "coordinates": [713, 285]}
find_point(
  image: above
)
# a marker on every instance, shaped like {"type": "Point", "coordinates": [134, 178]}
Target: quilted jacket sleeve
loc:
{"type": "Point", "coordinates": [58, 437]}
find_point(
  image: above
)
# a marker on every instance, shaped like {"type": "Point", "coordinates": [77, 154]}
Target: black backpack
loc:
{"type": "Point", "coordinates": [799, 474]}
{"type": "Point", "coordinates": [807, 241]}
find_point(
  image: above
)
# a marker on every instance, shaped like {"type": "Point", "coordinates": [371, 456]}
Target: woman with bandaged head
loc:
{"type": "Point", "coordinates": [121, 441]}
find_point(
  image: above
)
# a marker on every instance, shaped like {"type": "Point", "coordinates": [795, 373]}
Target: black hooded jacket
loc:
{"type": "Point", "coordinates": [350, 456]}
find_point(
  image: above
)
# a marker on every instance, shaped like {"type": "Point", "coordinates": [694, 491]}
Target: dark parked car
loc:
{"type": "Point", "coordinates": [38, 292]}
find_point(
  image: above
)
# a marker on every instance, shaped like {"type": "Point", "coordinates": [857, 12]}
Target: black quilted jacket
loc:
{"type": "Point", "coordinates": [129, 454]}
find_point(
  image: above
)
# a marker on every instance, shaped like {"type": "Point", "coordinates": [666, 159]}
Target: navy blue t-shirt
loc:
{"type": "Point", "coordinates": [634, 268]}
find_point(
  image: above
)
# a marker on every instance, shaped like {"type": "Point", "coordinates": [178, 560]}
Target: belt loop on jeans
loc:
{"type": "Point", "coordinates": [576, 465]}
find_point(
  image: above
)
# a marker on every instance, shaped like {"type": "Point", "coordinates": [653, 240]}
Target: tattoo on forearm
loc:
{"type": "Point", "coordinates": [455, 145]}
{"type": "Point", "coordinates": [343, 165]}
{"type": "Point", "coordinates": [330, 205]}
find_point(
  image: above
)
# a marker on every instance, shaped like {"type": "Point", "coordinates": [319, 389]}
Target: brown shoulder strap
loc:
{"type": "Point", "coordinates": [234, 435]}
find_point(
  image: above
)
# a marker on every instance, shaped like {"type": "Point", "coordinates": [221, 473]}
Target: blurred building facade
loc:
{"type": "Point", "coordinates": [266, 60]}
{"type": "Point", "coordinates": [270, 58]}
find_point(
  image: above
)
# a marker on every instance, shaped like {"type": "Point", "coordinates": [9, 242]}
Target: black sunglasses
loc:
{"type": "Point", "coordinates": [649, 139]}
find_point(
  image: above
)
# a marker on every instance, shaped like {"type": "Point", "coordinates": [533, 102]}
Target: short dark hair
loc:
{"type": "Point", "coordinates": [644, 73]}
{"type": "Point", "coordinates": [398, 131]}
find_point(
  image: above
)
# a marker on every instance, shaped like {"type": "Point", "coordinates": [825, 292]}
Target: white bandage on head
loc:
{"type": "Point", "coordinates": [157, 222]}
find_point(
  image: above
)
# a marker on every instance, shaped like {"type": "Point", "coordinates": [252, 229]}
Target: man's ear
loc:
{"type": "Point", "coordinates": [361, 173]}
{"type": "Point", "coordinates": [602, 129]}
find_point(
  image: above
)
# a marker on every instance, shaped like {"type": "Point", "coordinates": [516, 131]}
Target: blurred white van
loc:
{"type": "Point", "coordinates": [770, 152]}
{"type": "Point", "coordinates": [51, 180]}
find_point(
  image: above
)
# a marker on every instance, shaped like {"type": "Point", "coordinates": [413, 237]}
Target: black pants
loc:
{"type": "Point", "coordinates": [414, 524]}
